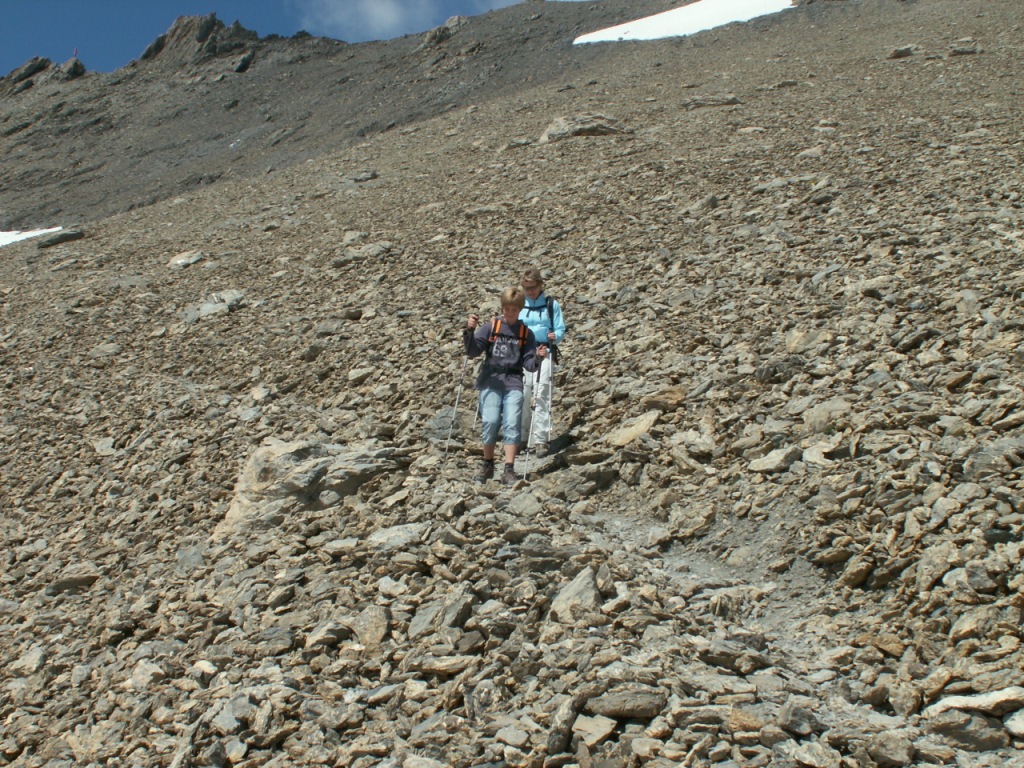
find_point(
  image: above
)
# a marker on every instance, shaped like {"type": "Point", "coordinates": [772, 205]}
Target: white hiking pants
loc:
{"type": "Point", "coordinates": [537, 388]}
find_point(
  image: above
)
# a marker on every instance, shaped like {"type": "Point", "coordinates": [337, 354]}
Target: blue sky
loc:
{"type": "Point", "coordinates": [109, 33]}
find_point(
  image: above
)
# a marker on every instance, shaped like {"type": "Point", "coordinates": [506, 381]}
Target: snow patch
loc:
{"type": "Point", "coordinates": [688, 20]}
{"type": "Point", "coordinates": [6, 238]}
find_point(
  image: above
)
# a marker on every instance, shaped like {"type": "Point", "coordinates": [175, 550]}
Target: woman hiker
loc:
{"type": "Point", "coordinates": [543, 316]}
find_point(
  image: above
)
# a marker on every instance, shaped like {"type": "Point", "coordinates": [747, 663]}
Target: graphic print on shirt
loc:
{"type": "Point", "coordinates": [505, 348]}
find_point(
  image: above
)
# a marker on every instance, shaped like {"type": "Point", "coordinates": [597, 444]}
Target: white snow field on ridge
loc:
{"type": "Point", "coordinates": [688, 20]}
{"type": "Point", "coordinates": [12, 237]}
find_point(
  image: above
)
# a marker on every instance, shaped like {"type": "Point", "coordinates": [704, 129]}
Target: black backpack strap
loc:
{"type": "Point", "coordinates": [556, 354]}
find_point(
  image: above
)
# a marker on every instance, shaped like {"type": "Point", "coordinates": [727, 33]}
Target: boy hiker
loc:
{"type": "Point", "coordinates": [543, 316]}
{"type": "Point", "coordinates": [510, 349]}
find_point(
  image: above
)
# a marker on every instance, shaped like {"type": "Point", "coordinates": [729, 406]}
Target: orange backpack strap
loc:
{"type": "Point", "coordinates": [496, 329]}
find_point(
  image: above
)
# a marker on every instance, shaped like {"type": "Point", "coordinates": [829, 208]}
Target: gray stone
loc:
{"type": "Point", "coordinates": [816, 755]}
{"type": "Point", "coordinates": [629, 701]}
{"type": "Point", "coordinates": [826, 416]}
{"type": "Point", "coordinates": [578, 597]}
{"type": "Point", "coordinates": [892, 749]}
{"type": "Point", "coordinates": [185, 259]}
{"type": "Point", "coordinates": [778, 460]}
{"type": "Point", "coordinates": [30, 662]}
{"type": "Point", "coordinates": [281, 477]}
{"type": "Point", "coordinates": [74, 578]}
{"type": "Point", "coordinates": [996, 703]}
{"type": "Point", "coordinates": [582, 125]}
{"type": "Point", "coordinates": [397, 537]}
{"type": "Point", "coordinates": [59, 238]}
{"type": "Point", "coordinates": [327, 635]}
{"type": "Point", "coordinates": [797, 718]}
{"type": "Point", "coordinates": [1015, 724]}
{"type": "Point", "coordinates": [972, 732]}
{"type": "Point", "coordinates": [109, 349]}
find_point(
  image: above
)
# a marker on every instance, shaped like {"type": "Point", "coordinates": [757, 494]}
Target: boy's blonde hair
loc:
{"type": "Point", "coordinates": [513, 297]}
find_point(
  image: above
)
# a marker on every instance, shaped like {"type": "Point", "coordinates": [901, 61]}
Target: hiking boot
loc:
{"type": "Point", "coordinates": [509, 476]}
{"type": "Point", "coordinates": [486, 471]}
{"type": "Point", "coordinates": [540, 450]}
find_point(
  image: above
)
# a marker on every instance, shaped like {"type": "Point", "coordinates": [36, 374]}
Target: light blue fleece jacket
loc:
{"type": "Point", "coordinates": [535, 315]}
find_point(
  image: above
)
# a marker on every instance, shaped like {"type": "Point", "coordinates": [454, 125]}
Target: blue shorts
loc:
{"type": "Point", "coordinates": [504, 409]}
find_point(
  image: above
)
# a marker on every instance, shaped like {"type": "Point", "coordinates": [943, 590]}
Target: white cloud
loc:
{"type": "Point", "coordinates": [356, 20]}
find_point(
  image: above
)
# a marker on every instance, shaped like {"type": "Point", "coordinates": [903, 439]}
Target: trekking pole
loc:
{"type": "Point", "coordinates": [458, 396]}
{"type": "Point", "coordinates": [551, 394]}
{"type": "Point", "coordinates": [533, 422]}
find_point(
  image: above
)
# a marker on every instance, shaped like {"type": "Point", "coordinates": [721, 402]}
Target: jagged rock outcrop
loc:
{"type": "Point", "coordinates": [193, 39]}
{"type": "Point", "coordinates": [280, 479]}
{"type": "Point", "coordinates": [40, 70]}
{"type": "Point", "coordinates": [438, 35]}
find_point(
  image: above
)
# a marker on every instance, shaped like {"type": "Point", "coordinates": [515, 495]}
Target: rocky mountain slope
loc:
{"type": "Point", "coordinates": [782, 523]}
{"type": "Point", "coordinates": [206, 102]}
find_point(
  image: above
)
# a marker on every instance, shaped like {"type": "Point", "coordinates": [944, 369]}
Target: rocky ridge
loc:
{"type": "Point", "coordinates": [782, 523]}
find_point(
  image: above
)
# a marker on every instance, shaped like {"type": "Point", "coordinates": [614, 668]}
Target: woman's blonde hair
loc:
{"type": "Point", "coordinates": [532, 275]}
